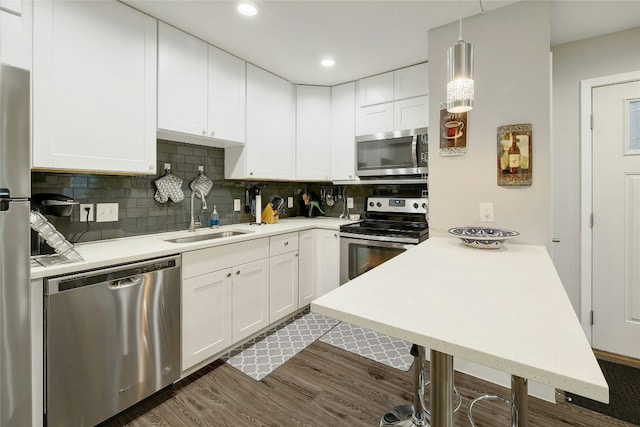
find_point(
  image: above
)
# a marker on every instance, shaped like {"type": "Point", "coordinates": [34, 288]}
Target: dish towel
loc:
{"type": "Point", "coordinates": [169, 187]}
{"type": "Point", "coordinates": [202, 182]}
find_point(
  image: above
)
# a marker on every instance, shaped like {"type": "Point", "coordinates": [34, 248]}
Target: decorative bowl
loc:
{"type": "Point", "coordinates": [483, 237]}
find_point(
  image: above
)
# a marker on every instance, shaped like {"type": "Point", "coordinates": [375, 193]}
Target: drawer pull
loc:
{"type": "Point", "coordinates": [228, 274]}
{"type": "Point", "coordinates": [286, 243]}
{"type": "Point", "coordinates": [237, 272]}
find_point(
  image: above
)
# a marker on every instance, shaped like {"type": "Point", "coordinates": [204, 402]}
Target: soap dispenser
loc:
{"type": "Point", "coordinates": [214, 221]}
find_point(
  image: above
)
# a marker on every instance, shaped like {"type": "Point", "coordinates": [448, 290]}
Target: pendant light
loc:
{"type": "Point", "coordinates": [460, 75]}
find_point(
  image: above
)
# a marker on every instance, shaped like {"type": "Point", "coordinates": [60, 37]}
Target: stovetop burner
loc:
{"type": "Point", "coordinates": [403, 218]}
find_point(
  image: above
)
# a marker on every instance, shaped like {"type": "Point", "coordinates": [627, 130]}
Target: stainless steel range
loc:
{"type": "Point", "coordinates": [391, 226]}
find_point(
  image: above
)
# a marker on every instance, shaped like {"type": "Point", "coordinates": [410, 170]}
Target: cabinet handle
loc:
{"type": "Point", "coordinates": [251, 173]}
{"type": "Point", "coordinates": [237, 272]}
{"type": "Point", "coordinates": [228, 274]}
{"type": "Point", "coordinates": [286, 243]}
{"type": "Point", "coordinates": [335, 235]}
{"type": "Point", "coordinates": [204, 133]}
{"type": "Point", "coordinates": [297, 255]}
{"type": "Point", "coordinates": [212, 133]}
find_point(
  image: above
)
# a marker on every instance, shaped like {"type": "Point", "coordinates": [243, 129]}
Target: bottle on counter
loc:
{"type": "Point", "coordinates": [514, 156]}
{"type": "Point", "coordinates": [214, 221]}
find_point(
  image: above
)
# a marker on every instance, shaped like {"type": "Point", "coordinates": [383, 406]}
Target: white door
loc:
{"type": "Point", "coordinates": [616, 218]}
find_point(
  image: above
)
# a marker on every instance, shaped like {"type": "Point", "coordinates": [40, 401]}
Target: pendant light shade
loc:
{"type": "Point", "coordinates": [460, 77]}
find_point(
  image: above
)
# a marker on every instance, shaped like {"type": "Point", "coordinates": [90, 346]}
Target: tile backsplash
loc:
{"type": "Point", "coordinates": [139, 213]}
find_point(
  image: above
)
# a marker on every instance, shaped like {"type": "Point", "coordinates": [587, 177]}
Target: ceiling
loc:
{"type": "Point", "coordinates": [289, 38]}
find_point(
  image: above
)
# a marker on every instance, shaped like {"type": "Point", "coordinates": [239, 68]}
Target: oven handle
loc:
{"type": "Point", "coordinates": [375, 238]}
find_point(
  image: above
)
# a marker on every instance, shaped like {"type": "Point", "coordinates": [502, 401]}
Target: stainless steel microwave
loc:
{"type": "Point", "coordinates": [392, 154]}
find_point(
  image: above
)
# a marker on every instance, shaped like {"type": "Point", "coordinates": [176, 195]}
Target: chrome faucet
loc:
{"type": "Point", "coordinates": [192, 222]}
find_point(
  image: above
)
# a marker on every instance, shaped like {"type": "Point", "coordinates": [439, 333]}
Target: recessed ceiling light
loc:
{"type": "Point", "coordinates": [247, 9]}
{"type": "Point", "coordinates": [328, 62]}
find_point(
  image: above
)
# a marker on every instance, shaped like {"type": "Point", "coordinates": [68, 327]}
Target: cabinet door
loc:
{"type": "Point", "coordinates": [307, 267]}
{"type": "Point", "coordinates": [411, 81]}
{"type": "Point", "coordinates": [250, 298]}
{"type": "Point", "coordinates": [411, 113]}
{"type": "Point", "coordinates": [182, 81]}
{"type": "Point", "coordinates": [328, 261]}
{"type": "Point", "coordinates": [283, 285]}
{"type": "Point", "coordinates": [94, 87]}
{"type": "Point", "coordinates": [313, 132]}
{"type": "Point", "coordinates": [227, 96]}
{"type": "Point", "coordinates": [343, 132]}
{"type": "Point", "coordinates": [270, 145]}
{"type": "Point", "coordinates": [374, 119]}
{"type": "Point", "coordinates": [206, 316]}
{"type": "Point", "coordinates": [15, 33]}
{"type": "Point", "coordinates": [375, 89]}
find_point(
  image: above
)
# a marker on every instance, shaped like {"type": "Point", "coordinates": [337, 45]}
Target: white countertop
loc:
{"type": "Point", "coordinates": [503, 308]}
{"type": "Point", "coordinates": [103, 253]}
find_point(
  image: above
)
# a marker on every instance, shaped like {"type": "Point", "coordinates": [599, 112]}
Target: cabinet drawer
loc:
{"type": "Point", "coordinates": [283, 243]}
{"type": "Point", "coordinates": [196, 263]}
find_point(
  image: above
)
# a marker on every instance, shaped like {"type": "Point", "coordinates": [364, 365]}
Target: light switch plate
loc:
{"type": "Point", "coordinates": [106, 212]}
{"type": "Point", "coordinates": [289, 202]}
{"type": "Point", "coordinates": [486, 212]}
{"type": "Point", "coordinates": [349, 202]}
{"type": "Point", "coordinates": [236, 205]}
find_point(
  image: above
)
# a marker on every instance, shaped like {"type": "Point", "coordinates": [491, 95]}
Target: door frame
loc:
{"type": "Point", "coordinates": [586, 189]}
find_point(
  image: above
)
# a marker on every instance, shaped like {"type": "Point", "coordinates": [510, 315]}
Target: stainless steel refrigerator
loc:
{"type": "Point", "coordinates": [15, 189]}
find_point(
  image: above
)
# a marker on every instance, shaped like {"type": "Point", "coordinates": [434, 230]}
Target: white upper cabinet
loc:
{"type": "Point", "coordinates": [182, 81]}
{"type": "Point", "coordinates": [15, 33]}
{"type": "Point", "coordinates": [313, 133]}
{"type": "Point", "coordinates": [411, 81]}
{"type": "Point", "coordinates": [227, 96]}
{"type": "Point", "coordinates": [269, 152]}
{"type": "Point", "coordinates": [343, 101]}
{"type": "Point", "coordinates": [375, 89]}
{"type": "Point", "coordinates": [393, 101]}
{"type": "Point", "coordinates": [94, 87]}
{"type": "Point", "coordinates": [201, 90]}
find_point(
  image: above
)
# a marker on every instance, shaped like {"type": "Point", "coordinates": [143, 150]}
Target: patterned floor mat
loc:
{"type": "Point", "coordinates": [262, 355]}
{"type": "Point", "coordinates": [372, 345]}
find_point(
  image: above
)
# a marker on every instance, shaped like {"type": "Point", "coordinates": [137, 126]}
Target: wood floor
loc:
{"type": "Point", "coordinates": [324, 386]}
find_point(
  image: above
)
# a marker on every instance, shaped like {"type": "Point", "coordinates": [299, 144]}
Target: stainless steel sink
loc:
{"type": "Point", "coordinates": [211, 236]}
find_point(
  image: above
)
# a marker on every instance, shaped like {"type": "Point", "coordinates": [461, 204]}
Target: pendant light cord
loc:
{"type": "Point", "coordinates": [459, 20]}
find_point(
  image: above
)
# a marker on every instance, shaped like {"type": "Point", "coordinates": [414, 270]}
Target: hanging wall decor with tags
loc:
{"type": "Point", "coordinates": [514, 155]}
{"type": "Point", "coordinates": [453, 132]}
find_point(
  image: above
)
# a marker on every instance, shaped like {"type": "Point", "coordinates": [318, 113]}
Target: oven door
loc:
{"type": "Point", "coordinates": [359, 255]}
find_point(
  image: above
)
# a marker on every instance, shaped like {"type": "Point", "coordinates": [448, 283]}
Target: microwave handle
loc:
{"type": "Point", "coordinates": [414, 151]}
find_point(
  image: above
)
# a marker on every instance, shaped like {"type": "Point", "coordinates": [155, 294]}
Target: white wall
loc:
{"type": "Point", "coordinates": [512, 85]}
{"type": "Point", "coordinates": [572, 62]}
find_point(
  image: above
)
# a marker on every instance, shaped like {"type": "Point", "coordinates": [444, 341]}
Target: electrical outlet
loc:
{"type": "Point", "coordinates": [349, 202]}
{"type": "Point", "coordinates": [236, 205]}
{"type": "Point", "coordinates": [289, 202]}
{"type": "Point", "coordinates": [106, 212]}
{"type": "Point", "coordinates": [83, 212]}
{"type": "Point", "coordinates": [486, 212]}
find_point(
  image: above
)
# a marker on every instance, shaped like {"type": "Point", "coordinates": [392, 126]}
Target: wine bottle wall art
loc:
{"type": "Point", "coordinates": [514, 155]}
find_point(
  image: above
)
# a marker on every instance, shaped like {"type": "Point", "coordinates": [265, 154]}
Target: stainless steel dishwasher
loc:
{"type": "Point", "coordinates": [112, 339]}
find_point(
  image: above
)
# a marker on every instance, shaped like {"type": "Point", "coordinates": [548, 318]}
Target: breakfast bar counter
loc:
{"type": "Point", "coordinates": [503, 308]}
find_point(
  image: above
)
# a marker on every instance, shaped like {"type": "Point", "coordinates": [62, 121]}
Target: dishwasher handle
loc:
{"type": "Point", "coordinates": [115, 277]}
{"type": "Point", "coordinates": [127, 282]}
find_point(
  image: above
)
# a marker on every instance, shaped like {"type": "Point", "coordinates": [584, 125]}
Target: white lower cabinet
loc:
{"type": "Point", "coordinates": [250, 295]}
{"type": "Point", "coordinates": [283, 290]}
{"type": "Point", "coordinates": [307, 267]}
{"type": "Point", "coordinates": [225, 297]}
{"type": "Point", "coordinates": [328, 261]}
{"type": "Point", "coordinates": [283, 275]}
{"type": "Point", "coordinates": [206, 324]}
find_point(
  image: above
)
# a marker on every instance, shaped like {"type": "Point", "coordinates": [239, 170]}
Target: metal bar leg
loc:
{"type": "Point", "coordinates": [411, 415]}
{"type": "Point", "coordinates": [519, 404]}
{"type": "Point", "coordinates": [420, 416]}
{"type": "Point", "coordinates": [441, 389]}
